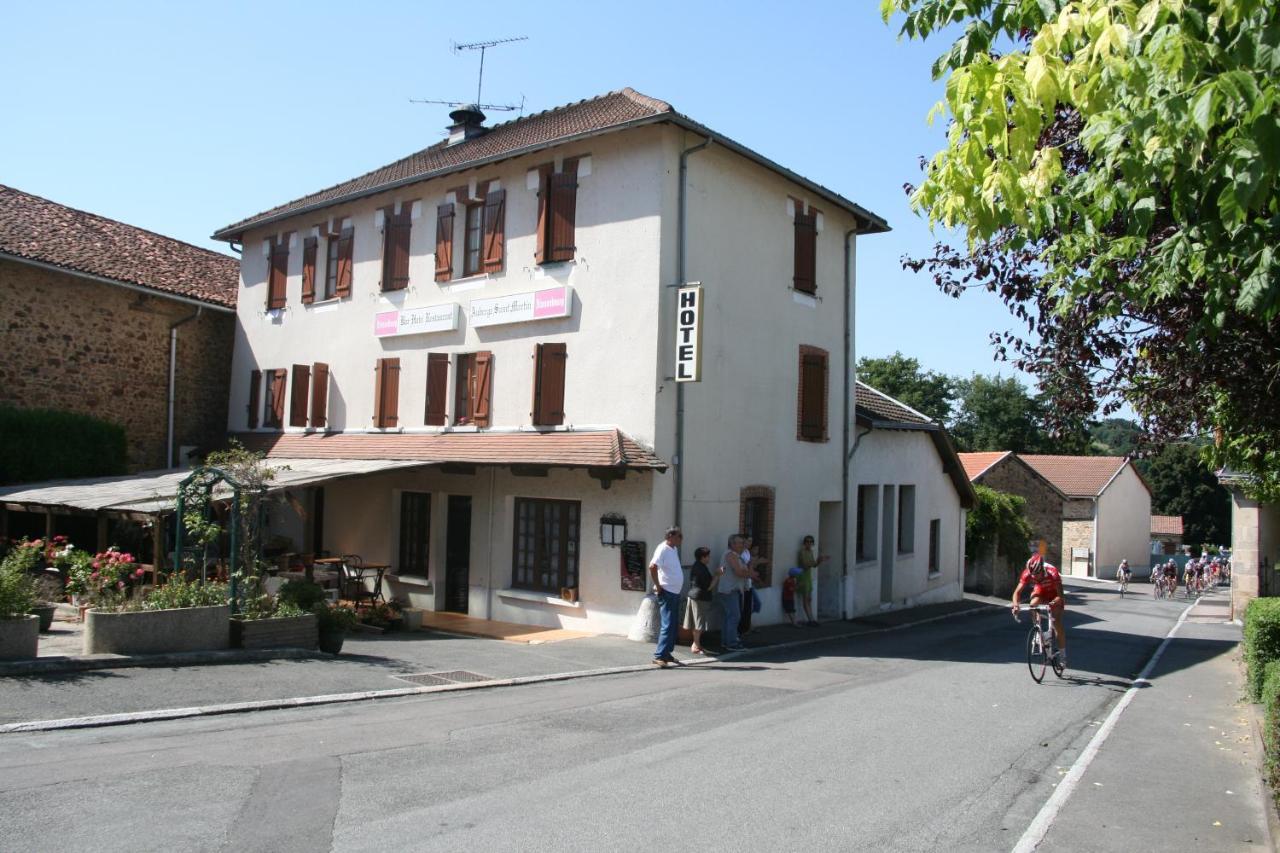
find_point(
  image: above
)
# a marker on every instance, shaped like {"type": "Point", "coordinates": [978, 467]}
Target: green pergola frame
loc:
{"type": "Point", "coordinates": [207, 477]}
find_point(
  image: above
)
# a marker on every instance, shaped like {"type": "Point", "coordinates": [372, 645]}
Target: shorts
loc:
{"type": "Point", "coordinates": [788, 605]}
{"type": "Point", "coordinates": [697, 614]}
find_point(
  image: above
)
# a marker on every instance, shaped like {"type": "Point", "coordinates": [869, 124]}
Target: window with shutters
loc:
{"type": "Point", "coordinates": [548, 384]}
{"type": "Point", "coordinates": [544, 556]}
{"type": "Point", "coordinates": [473, 389]}
{"type": "Point", "coordinates": [444, 242]}
{"type": "Point", "coordinates": [473, 238]}
{"type": "Point", "coordinates": [309, 246]}
{"type": "Point", "coordinates": [557, 213]}
{"type": "Point", "coordinates": [319, 395]}
{"type": "Point", "coordinates": [755, 519]}
{"type": "Point", "coordinates": [386, 393]}
{"type": "Point", "coordinates": [415, 533]}
{"type": "Point", "coordinates": [395, 247]}
{"type": "Point", "coordinates": [273, 417]}
{"type": "Point", "coordinates": [437, 388]}
{"type": "Point", "coordinates": [811, 395]}
{"type": "Point", "coordinates": [806, 249]}
{"type": "Point", "coordinates": [277, 273]}
{"type": "Point", "coordinates": [331, 267]}
{"type": "Point", "coordinates": [298, 398]}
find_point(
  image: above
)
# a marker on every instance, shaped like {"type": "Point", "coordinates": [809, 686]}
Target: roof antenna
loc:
{"type": "Point", "coordinates": [481, 46]}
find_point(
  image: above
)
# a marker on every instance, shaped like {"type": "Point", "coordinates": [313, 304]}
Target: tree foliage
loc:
{"type": "Point", "coordinates": [929, 393]}
{"type": "Point", "coordinates": [1114, 166]}
{"type": "Point", "coordinates": [999, 519]}
{"type": "Point", "coordinates": [1181, 484]}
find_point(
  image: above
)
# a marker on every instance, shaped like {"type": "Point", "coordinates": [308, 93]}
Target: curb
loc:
{"type": "Point", "coordinates": [103, 720]}
{"type": "Point", "coordinates": [1268, 800]}
{"type": "Point", "coordinates": [56, 664]}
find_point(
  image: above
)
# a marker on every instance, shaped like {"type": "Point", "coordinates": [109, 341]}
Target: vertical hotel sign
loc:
{"type": "Point", "coordinates": [689, 333]}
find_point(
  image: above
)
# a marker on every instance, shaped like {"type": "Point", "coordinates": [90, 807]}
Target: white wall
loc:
{"type": "Point", "coordinates": [1123, 529]}
{"type": "Point", "coordinates": [906, 458]}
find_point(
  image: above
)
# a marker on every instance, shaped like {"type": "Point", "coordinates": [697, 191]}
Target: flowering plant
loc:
{"type": "Point", "coordinates": [106, 579]}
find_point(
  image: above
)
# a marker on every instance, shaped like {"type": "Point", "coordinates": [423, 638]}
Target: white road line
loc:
{"type": "Point", "coordinates": [1049, 811]}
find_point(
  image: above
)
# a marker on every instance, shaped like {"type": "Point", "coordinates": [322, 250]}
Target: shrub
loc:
{"type": "Point", "coordinates": [1271, 726]}
{"type": "Point", "coordinates": [1261, 641]}
{"type": "Point", "coordinates": [43, 444]}
{"type": "Point", "coordinates": [997, 519]}
{"type": "Point", "coordinates": [180, 592]}
{"type": "Point", "coordinates": [302, 594]}
{"type": "Point", "coordinates": [17, 591]}
{"type": "Point", "coordinates": [334, 618]}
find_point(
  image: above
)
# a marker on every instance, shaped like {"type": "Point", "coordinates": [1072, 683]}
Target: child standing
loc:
{"type": "Point", "coordinates": [789, 595]}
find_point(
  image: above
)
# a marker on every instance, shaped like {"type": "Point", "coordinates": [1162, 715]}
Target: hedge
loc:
{"type": "Point", "coordinates": [1261, 641]}
{"type": "Point", "coordinates": [44, 444]}
{"type": "Point", "coordinates": [1271, 725]}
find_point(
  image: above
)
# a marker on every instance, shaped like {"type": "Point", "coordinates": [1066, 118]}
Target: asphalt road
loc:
{"type": "Point", "coordinates": [929, 738]}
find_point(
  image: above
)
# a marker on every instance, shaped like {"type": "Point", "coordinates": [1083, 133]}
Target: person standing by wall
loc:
{"type": "Point", "coordinates": [734, 574]}
{"type": "Point", "coordinates": [702, 583]}
{"type": "Point", "coordinates": [668, 579]}
{"type": "Point", "coordinates": [804, 583]}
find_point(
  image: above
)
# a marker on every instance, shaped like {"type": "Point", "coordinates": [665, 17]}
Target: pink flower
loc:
{"type": "Point", "coordinates": [96, 565]}
{"type": "Point", "coordinates": [120, 584]}
{"type": "Point", "coordinates": [138, 573]}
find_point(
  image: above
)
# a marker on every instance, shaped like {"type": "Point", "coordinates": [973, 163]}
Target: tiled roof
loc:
{"type": "Point", "coordinates": [976, 464]}
{"type": "Point", "coordinates": [881, 406]}
{"type": "Point", "coordinates": [1166, 525]}
{"type": "Point", "coordinates": [1076, 476]}
{"type": "Point", "coordinates": [594, 114]}
{"type": "Point", "coordinates": [594, 449]}
{"type": "Point", "coordinates": [604, 113]}
{"type": "Point", "coordinates": [37, 229]}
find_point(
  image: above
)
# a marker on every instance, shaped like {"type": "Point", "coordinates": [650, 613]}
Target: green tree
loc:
{"type": "Point", "coordinates": [997, 413]}
{"type": "Point", "coordinates": [997, 519]}
{"type": "Point", "coordinates": [931, 394]}
{"type": "Point", "coordinates": [1181, 484]}
{"type": "Point", "coordinates": [1115, 437]}
{"type": "Point", "coordinates": [1115, 167]}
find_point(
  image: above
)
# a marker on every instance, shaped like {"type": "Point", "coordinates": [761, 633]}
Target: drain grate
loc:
{"type": "Point", "coordinates": [434, 679]}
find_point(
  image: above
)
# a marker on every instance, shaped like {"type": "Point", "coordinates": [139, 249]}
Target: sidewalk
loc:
{"type": "Point", "coordinates": [370, 666]}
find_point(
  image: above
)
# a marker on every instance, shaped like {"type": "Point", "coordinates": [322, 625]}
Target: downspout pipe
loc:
{"type": "Point", "coordinates": [682, 242]}
{"type": "Point", "coordinates": [170, 462]}
{"type": "Point", "coordinates": [849, 377]}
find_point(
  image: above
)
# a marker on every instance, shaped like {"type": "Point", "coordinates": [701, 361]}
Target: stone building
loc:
{"type": "Point", "coordinates": [1255, 545]}
{"type": "Point", "coordinates": [1004, 471]}
{"type": "Point", "coordinates": [1166, 534]}
{"type": "Point", "coordinates": [105, 319]}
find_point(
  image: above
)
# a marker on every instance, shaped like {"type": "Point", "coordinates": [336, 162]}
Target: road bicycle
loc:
{"type": "Point", "coordinates": [1042, 643]}
{"type": "Point", "coordinates": [1123, 582]}
{"type": "Point", "coordinates": [1160, 586]}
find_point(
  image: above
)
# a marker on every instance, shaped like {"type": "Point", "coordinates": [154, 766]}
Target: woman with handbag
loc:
{"type": "Point", "coordinates": [697, 611]}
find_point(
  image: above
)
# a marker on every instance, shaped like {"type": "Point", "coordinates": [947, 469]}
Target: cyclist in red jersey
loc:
{"type": "Point", "coordinates": [1046, 589]}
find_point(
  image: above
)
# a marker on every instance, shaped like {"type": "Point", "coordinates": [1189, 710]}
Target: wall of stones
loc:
{"type": "Point", "coordinates": [1044, 505]}
{"type": "Point", "coordinates": [1076, 534]}
{"type": "Point", "coordinates": [77, 345]}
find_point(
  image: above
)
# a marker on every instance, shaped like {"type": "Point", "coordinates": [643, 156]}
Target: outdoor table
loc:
{"type": "Point", "coordinates": [333, 562]}
{"type": "Point", "coordinates": [376, 570]}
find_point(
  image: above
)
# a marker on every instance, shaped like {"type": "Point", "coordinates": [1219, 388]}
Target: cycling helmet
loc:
{"type": "Point", "coordinates": [1036, 565]}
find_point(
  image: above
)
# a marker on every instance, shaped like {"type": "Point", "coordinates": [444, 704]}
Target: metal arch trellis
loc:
{"type": "Point", "coordinates": [204, 479]}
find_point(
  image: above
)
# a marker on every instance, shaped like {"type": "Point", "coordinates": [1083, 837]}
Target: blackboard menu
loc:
{"type": "Point", "coordinates": [633, 566]}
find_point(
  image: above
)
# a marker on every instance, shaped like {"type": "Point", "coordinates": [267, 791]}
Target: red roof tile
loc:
{"type": "Point", "coordinates": [976, 464]}
{"type": "Point", "coordinates": [595, 449]}
{"type": "Point", "coordinates": [1166, 525]}
{"type": "Point", "coordinates": [37, 229]}
{"type": "Point", "coordinates": [1076, 476]}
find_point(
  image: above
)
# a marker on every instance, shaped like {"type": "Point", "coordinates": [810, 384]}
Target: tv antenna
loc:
{"type": "Point", "coordinates": [481, 46]}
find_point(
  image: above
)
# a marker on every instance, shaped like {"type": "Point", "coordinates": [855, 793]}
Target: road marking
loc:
{"type": "Point", "coordinates": [1049, 811]}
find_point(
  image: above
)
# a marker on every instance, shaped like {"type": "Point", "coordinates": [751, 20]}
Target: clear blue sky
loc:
{"type": "Point", "coordinates": [182, 118]}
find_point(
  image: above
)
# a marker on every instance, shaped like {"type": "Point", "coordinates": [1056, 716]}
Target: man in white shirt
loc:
{"type": "Point", "coordinates": [667, 575]}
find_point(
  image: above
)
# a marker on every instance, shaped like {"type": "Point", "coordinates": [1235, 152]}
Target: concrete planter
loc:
{"type": "Point", "coordinates": [19, 638]}
{"type": "Point", "coordinates": [148, 632]}
{"type": "Point", "coordinates": [286, 632]}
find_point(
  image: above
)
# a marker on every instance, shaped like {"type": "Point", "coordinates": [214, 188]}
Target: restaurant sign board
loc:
{"type": "Point", "coordinates": [522, 307]}
{"type": "Point", "coordinates": [416, 321]}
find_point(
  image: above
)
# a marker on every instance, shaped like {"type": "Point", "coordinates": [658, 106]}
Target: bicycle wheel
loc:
{"type": "Point", "coordinates": [1036, 659]}
{"type": "Point", "coordinates": [1054, 659]}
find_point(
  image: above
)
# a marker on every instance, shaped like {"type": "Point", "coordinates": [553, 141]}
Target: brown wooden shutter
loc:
{"type": "Point", "coordinates": [813, 386]}
{"type": "Point", "coordinates": [548, 384]}
{"type": "Point", "coordinates": [277, 276]}
{"type": "Point", "coordinates": [563, 212]}
{"type": "Point", "coordinates": [495, 230]}
{"type": "Point", "coordinates": [806, 251]}
{"type": "Point", "coordinates": [481, 397]}
{"type": "Point", "coordinates": [444, 242]}
{"type": "Point", "coordinates": [346, 244]}
{"type": "Point", "coordinates": [320, 395]}
{"type": "Point", "coordinates": [437, 387]}
{"type": "Point", "coordinates": [279, 382]}
{"type": "Point", "coordinates": [544, 213]}
{"type": "Point", "coordinates": [395, 248]}
{"type": "Point", "coordinates": [309, 270]}
{"type": "Point", "coordinates": [255, 397]}
{"type": "Point", "coordinates": [387, 393]}
{"type": "Point", "coordinates": [298, 395]}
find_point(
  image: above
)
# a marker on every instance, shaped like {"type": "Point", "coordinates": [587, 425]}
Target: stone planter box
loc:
{"type": "Point", "coordinates": [300, 632]}
{"type": "Point", "coordinates": [149, 632]}
{"type": "Point", "coordinates": [19, 638]}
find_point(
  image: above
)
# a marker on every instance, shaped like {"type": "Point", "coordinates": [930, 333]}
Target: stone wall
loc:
{"type": "Point", "coordinates": [82, 346]}
{"type": "Point", "coordinates": [1076, 534]}
{"type": "Point", "coordinates": [1044, 505]}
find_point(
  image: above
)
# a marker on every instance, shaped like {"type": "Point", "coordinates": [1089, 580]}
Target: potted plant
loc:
{"type": "Point", "coordinates": [334, 622]}
{"type": "Point", "coordinates": [48, 592]}
{"type": "Point", "coordinates": [178, 616]}
{"type": "Point", "coordinates": [268, 621]}
{"type": "Point", "coordinates": [19, 629]}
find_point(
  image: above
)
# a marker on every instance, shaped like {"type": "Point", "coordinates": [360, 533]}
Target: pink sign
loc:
{"type": "Point", "coordinates": [550, 303]}
{"type": "Point", "coordinates": [386, 323]}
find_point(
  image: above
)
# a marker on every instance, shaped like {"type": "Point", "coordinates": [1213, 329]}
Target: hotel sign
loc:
{"type": "Point", "coordinates": [689, 333]}
{"type": "Point", "coordinates": [522, 307]}
{"type": "Point", "coordinates": [416, 321]}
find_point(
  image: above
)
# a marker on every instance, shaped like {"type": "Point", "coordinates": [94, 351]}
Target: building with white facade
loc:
{"type": "Point", "coordinates": [502, 307]}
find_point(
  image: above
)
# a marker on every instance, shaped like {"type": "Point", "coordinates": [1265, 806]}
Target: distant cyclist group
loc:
{"type": "Point", "coordinates": [1198, 576]}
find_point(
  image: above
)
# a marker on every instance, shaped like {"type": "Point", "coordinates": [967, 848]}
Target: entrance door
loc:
{"type": "Point", "coordinates": [457, 554]}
